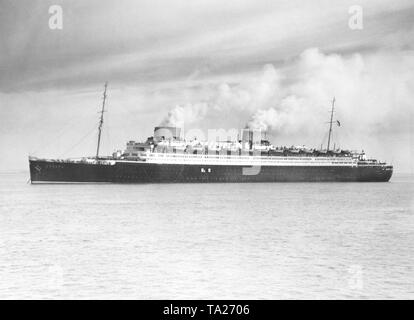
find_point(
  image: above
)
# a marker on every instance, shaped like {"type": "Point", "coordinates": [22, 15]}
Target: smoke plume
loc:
{"type": "Point", "coordinates": [182, 114]}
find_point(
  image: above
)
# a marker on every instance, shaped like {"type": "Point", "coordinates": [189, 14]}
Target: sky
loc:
{"type": "Point", "coordinates": [205, 65]}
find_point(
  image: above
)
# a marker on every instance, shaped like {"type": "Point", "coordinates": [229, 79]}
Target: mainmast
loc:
{"type": "Point", "coordinates": [330, 123]}
{"type": "Point", "coordinates": [101, 121]}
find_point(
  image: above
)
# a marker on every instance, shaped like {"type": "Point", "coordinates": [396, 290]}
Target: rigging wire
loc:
{"type": "Point", "coordinates": [78, 142]}
{"type": "Point", "coordinates": [107, 144]}
{"type": "Point", "coordinates": [56, 138]}
{"type": "Point", "coordinates": [114, 138]}
{"type": "Point", "coordinates": [63, 131]}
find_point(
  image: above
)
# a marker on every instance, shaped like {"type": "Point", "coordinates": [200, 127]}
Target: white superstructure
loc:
{"type": "Point", "coordinates": [171, 158]}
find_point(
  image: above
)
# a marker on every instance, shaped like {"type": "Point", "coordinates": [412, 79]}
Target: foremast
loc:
{"type": "Point", "coordinates": [101, 120]}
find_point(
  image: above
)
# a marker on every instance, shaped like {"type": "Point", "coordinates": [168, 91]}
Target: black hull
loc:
{"type": "Point", "coordinates": [141, 172]}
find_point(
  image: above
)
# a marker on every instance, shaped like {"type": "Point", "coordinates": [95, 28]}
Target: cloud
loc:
{"type": "Point", "coordinates": [156, 41]}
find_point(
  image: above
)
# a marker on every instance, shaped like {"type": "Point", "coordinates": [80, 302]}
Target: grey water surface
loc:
{"type": "Point", "coordinates": [205, 241]}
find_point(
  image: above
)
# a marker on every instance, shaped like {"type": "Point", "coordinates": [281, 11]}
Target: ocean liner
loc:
{"type": "Point", "coordinates": [167, 157]}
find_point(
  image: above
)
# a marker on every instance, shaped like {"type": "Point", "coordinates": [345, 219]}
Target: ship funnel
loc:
{"type": "Point", "coordinates": [251, 137]}
{"type": "Point", "coordinates": [166, 133]}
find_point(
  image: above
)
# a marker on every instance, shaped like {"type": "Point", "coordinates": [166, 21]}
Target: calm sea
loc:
{"type": "Point", "coordinates": [204, 241]}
